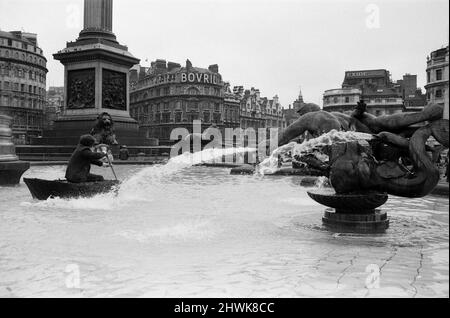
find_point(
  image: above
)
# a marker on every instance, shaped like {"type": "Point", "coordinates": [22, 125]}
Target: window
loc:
{"type": "Point", "coordinates": [192, 91]}
{"type": "Point", "coordinates": [192, 117]}
{"type": "Point", "coordinates": [438, 75]}
{"type": "Point", "coordinates": [192, 106]}
{"type": "Point", "coordinates": [428, 76]}
{"type": "Point", "coordinates": [347, 99]}
{"type": "Point", "coordinates": [166, 117]}
{"type": "Point", "coordinates": [206, 117]}
{"type": "Point", "coordinates": [217, 118]}
{"type": "Point", "coordinates": [178, 117]}
{"type": "Point", "coordinates": [335, 100]}
{"type": "Point", "coordinates": [438, 93]}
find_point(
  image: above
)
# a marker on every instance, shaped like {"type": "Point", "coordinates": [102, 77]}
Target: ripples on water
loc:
{"type": "Point", "coordinates": [177, 230]}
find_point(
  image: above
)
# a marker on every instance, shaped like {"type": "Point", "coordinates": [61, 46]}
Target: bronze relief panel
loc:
{"type": "Point", "coordinates": [114, 90]}
{"type": "Point", "coordinates": [81, 89]}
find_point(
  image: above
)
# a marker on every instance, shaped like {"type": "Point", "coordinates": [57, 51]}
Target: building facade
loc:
{"type": "Point", "coordinates": [373, 86]}
{"type": "Point", "coordinates": [232, 108]}
{"type": "Point", "coordinates": [23, 72]}
{"type": "Point", "coordinates": [170, 96]}
{"type": "Point", "coordinates": [437, 79]}
{"type": "Point", "coordinates": [413, 99]}
{"type": "Point", "coordinates": [259, 112]}
{"type": "Point", "coordinates": [341, 100]}
{"type": "Point", "coordinates": [54, 106]}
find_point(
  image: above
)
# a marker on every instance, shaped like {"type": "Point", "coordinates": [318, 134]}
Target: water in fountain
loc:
{"type": "Point", "coordinates": [312, 146]}
{"type": "Point", "coordinates": [265, 233]}
{"type": "Point", "coordinates": [137, 187]}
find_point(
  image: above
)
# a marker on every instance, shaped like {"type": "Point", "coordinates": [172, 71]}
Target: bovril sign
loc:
{"type": "Point", "coordinates": [200, 78]}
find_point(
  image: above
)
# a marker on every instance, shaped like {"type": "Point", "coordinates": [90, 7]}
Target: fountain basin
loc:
{"type": "Point", "coordinates": [359, 203]}
{"type": "Point", "coordinates": [352, 212]}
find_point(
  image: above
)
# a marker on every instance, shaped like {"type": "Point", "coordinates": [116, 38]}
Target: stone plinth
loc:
{"type": "Point", "coordinates": [352, 212]}
{"type": "Point", "coordinates": [11, 169]}
{"type": "Point", "coordinates": [96, 80]}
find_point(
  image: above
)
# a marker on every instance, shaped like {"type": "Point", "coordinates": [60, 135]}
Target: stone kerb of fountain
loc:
{"type": "Point", "coordinates": [11, 169]}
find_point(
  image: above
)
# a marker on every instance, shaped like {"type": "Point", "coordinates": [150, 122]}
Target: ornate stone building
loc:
{"type": "Point", "coordinates": [413, 99]}
{"type": "Point", "coordinates": [341, 99]}
{"type": "Point", "coordinates": [54, 106]}
{"type": "Point", "coordinates": [373, 86]}
{"type": "Point", "coordinates": [169, 96]}
{"type": "Point", "coordinates": [259, 112]}
{"type": "Point", "coordinates": [437, 79]}
{"type": "Point", "coordinates": [23, 75]}
{"type": "Point", "coordinates": [232, 106]}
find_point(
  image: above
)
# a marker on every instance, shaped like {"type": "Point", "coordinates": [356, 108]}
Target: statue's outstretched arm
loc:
{"type": "Point", "coordinates": [393, 139]}
{"type": "Point", "coordinates": [400, 121]}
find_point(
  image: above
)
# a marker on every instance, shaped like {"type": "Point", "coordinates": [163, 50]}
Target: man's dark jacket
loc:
{"type": "Point", "coordinates": [80, 163]}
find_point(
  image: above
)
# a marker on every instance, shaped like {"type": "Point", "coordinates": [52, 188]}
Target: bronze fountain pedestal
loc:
{"type": "Point", "coordinates": [357, 213]}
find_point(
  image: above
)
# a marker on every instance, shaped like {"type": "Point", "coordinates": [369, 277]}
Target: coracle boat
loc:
{"type": "Point", "coordinates": [44, 189]}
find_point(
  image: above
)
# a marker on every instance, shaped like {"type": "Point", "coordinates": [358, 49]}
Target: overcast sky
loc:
{"type": "Point", "coordinates": [276, 46]}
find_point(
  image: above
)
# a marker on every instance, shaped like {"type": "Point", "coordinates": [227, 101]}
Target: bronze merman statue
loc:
{"type": "Point", "coordinates": [396, 161]}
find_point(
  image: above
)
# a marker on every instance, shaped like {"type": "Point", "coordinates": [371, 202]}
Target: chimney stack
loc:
{"type": "Point", "coordinates": [214, 68]}
{"type": "Point", "coordinates": [171, 66]}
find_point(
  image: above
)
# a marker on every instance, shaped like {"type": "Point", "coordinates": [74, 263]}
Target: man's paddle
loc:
{"type": "Point", "coordinates": [112, 168]}
{"type": "Point", "coordinates": [106, 147]}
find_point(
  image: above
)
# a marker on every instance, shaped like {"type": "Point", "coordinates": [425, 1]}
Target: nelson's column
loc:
{"type": "Point", "coordinates": [96, 80]}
